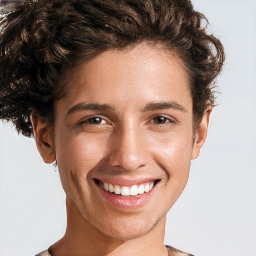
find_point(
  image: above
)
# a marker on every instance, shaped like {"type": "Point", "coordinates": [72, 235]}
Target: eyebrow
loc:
{"type": "Point", "coordinates": [106, 107]}
{"type": "Point", "coordinates": [163, 105]}
{"type": "Point", "coordinates": [89, 106]}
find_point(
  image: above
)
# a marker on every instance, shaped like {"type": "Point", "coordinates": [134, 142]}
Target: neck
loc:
{"type": "Point", "coordinates": [83, 239]}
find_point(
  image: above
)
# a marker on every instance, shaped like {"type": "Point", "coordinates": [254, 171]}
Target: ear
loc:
{"type": "Point", "coordinates": [43, 134]}
{"type": "Point", "coordinates": [201, 132]}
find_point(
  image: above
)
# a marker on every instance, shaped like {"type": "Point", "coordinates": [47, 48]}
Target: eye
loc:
{"type": "Point", "coordinates": [95, 120]}
{"type": "Point", "coordinates": [162, 120]}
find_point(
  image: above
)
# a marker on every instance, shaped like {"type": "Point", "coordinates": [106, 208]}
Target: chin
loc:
{"type": "Point", "coordinates": [126, 228]}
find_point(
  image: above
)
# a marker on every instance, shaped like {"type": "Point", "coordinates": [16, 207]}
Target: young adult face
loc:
{"type": "Point", "coordinates": [126, 120]}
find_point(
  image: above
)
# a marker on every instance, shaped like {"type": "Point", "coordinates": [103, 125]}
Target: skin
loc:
{"type": "Point", "coordinates": [138, 136]}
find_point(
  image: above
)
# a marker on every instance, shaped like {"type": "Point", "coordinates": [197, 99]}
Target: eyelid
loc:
{"type": "Point", "coordinates": [85, 119]}
{"type": "Point", "coordinates": [170, 119]}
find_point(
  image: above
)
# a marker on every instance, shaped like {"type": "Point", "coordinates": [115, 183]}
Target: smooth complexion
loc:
{"type": "Point", "coordinates": [127, 118]}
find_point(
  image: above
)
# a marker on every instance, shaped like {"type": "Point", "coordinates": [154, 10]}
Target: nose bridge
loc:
{"type": "Point", "coordinates": [129, 149]}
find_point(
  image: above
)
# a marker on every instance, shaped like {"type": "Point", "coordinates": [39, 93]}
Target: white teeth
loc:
{"type": "Point", "coordinates": [125, 191]}
{"type": "Point", "coordinates": [117, 190]}
{"type": "Point", "coordinates": [105, 185]}
{"type": "Point", "coordinates": [134, 190]}
{"type": "Point", "coordinates": [110, 188]}
{"type": "Point", "coordinates": [141, 189]}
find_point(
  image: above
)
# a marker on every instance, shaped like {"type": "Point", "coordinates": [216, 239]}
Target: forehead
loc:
{"type": "Point", "coordinates": [129, 77]}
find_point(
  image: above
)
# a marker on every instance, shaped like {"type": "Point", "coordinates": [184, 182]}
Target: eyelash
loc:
{"type": "Point", "coordinates": [166, 119]}
{"type": "Point", "coordinates": [87, 121]}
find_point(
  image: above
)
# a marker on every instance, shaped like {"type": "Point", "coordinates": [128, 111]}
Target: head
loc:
{"type": "Point", "coordinates": [116, 92]}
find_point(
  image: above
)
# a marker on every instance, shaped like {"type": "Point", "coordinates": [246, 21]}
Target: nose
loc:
{"type": "Point", "coordinates": [129, 149]}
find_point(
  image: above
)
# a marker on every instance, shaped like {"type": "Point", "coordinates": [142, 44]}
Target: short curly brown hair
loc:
{"type": "Point", "coordinates": [42, 38]}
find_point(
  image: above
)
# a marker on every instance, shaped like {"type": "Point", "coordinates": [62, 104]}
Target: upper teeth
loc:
{"type": "Point", "coordinates": [134, 190]}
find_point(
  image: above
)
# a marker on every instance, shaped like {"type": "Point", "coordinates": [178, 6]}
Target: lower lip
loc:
{"type": "Point", "coordinates": [125, 202]}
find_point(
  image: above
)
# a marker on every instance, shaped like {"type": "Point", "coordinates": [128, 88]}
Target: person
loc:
{"type": "Point", "coordinates": [118, 94]}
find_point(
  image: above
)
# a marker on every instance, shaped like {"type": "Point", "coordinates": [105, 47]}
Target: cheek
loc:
{"type": "Point", "coordinates": [77, 156]}
{"type": "Point", "coordinates": [174, 157]}
{"type": "Point", "coordinates": [173, 149]}
{"type": "Point", "coordinates": [80, 150]}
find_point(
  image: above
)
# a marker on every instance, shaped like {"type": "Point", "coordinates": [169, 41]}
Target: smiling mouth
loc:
{"type": "Point", "coordinates": [135, 190]}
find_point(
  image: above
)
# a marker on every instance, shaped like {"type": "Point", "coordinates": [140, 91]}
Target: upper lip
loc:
{"type": "Point", "coordinates": [125, 181]}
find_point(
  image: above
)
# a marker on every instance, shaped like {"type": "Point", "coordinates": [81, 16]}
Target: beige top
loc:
{"type": "Point", "coordinates": [172, 252]}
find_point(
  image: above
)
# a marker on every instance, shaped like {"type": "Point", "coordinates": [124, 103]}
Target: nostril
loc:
{"type": "Point", "coordinates": [128, 158]}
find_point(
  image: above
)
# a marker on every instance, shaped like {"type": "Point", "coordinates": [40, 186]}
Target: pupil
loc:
{"type": "Point", "coordinates": [95, 120]}
{"type": "Point", "coordinates": [160, 120]}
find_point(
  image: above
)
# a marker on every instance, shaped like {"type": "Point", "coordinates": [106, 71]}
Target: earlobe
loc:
{"type": "Point", "coordinates": [201, 133]}
{"type": "Point", "coordinates": [43, 134]}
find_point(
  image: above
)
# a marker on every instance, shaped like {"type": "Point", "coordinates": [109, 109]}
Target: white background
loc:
{"type": "Point", "coordinates": [215, 216]}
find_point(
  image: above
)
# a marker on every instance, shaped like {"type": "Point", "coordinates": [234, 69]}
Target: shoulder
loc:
{"type": "Point", "coordinates": [176, 252]}
{"type": "Point", "coordinates": [172, 252]}
{"type": "Point", "coordinates": [44, 253]}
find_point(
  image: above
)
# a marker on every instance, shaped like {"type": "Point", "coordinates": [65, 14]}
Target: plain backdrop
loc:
{"type": "Point", "coordinates": [216, 214]}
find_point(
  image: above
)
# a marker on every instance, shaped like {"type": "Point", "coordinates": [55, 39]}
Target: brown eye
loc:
{"type": "Point", "coordinates": [94, 120]}
{"type": "Point", "coordinates": [160, 120]}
